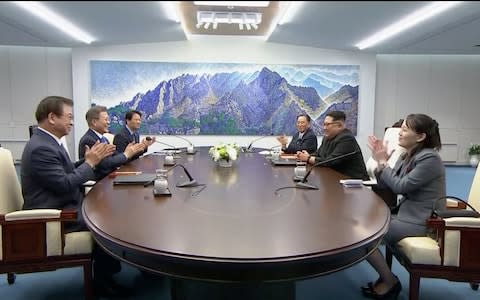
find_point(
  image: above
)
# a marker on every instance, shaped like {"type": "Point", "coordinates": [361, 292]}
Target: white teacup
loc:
{"type": "Point", "coordinates": [300, 170]}
{"type": "Point", "coordinates": [169, 160]}
{"type": "Point", "coordinates": [275, 155]}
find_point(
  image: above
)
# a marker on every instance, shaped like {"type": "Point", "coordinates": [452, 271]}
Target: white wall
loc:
{"type": "Point", "coordinates": [227, 50]}
{"type": "Point", "coordinates": [28, 74]}
{"type": "Point", "coordinates": [446, 87]}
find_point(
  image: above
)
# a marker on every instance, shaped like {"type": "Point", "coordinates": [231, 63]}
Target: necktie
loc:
{"type": "Point", "coordinates": [104, 140]}
{"type": "Point", "coordinates": [136, 137]}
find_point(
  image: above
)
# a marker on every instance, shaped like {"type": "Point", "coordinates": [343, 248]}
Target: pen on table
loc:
{"type": "Point", "coordinates": [127, 173]}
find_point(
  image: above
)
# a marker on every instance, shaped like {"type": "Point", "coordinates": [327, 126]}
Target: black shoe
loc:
{"type": "Point", "coordinates": [370, 285]}
{"type": "Point", "coordinates": [392, 293]}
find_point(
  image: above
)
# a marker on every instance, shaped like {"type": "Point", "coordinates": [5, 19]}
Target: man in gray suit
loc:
{"type": "Point", "coordinates": [50, 180]}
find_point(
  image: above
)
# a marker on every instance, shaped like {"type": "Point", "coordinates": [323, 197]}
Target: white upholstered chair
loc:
{"type": "Point", "coordinates": [390, 137]}
{"type": "Point", "coordinates": [109, 137]}
{"type": "Point", "coordinates": [451, 253]}
{"type": "Point", "coordinates": [34, 240]}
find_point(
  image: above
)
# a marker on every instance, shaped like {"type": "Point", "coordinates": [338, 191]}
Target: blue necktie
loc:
{"type": "Point", "coordinates": [104, 140]}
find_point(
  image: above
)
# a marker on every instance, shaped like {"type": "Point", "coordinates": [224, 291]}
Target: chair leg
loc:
{"type": "Point", "coordinates": [11, 278]}
{"type": "Point", "coordinates": [414, 287]}
{"type": "Point", "coordinates": [87, 280]}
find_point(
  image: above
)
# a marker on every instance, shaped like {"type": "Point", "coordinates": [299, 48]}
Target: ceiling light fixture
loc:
{"type": "Point", "coordinates": [249, 19]}
{"type": "Point", "coordinates": [41, 11]}
{"type": "Point", "coordinates": [233, 3]}
{"type": "Point", "coordinates": [407, 22]}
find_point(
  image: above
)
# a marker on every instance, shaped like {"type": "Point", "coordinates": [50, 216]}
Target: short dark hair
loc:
{"type": "Point", "coordinates": [336, 115]}
{"type": "Point", "coordinates": [306, 117]}
{"type": "Point", "coordinates": [51, 104]}
{"type": "Point", "coordinates": [129, 114]}
{"type": "Point", "coordinates": [94, 113]}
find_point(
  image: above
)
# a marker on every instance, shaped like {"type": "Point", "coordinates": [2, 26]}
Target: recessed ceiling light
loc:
{"type": "Point", "coordinates": [233, 3]}
{"type": "Point", "coordinates": [407, 22]}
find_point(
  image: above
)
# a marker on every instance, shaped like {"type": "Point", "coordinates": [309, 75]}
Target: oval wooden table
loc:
{"type": "Point", "coordinates": [236, 228]}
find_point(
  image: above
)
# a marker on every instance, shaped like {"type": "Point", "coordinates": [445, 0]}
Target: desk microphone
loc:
{"type": "Point", "coordinates": [190, 148]}
{"type": "Point", "coordinates": [304, 185]}
{"type": "Point", "coordinates": [170, 147]}
{"type": "Point", "coordinates": [190, 183]}
{"type": "Point", "coordinates": [249, 147]}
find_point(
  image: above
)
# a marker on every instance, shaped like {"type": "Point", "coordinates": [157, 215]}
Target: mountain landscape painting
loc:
{"type": "Point", "coordinates": [224, 98]}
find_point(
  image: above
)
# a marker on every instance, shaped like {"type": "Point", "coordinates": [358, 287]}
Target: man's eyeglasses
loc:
{"type": "Point", "coordinates": [329, 123]}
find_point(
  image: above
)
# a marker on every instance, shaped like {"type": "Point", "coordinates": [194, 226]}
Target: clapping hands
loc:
{"type": "Point", "coordinates": [379, 149]}
{"type": "Point", "coordinates": [97, 152]}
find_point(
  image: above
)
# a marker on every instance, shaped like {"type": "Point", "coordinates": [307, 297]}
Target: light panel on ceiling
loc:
{"type": "Point", "coordinates": [233, 3]}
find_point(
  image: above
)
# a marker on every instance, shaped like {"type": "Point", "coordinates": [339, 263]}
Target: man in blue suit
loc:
{"type": "Point", "coordinates": [50, 180]}
{"type": "Point", "coordinates": [129, 133]}
{"type": "Point", "coordinates": [98, 122]}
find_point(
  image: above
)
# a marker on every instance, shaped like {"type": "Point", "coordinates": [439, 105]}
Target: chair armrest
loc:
{"type": "Point", "coordinates": [33, 214]}
{"type": "Point", "coordinates": [42, 214]}
{"type": "Point", "coordinates": [462, 222]}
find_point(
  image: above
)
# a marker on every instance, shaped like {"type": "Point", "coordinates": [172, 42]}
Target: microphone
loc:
{"type": "Point", "coordinates": [249, 147]}
{"type": "Point", "coordinates": [170, 147]}
{"type": "Point", "coordinates": [304, 185]}
{"type": "Point", "coordinates": [190, 148]}
{"type": "Point", "coordinates": [190, 183]}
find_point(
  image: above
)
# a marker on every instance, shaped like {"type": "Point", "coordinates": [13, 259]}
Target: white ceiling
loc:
{"type": "Point", "coordinates": [330, 25]}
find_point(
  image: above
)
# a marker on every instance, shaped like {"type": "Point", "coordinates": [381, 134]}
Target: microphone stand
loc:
{"type": "Point", "coordinates": [249, 147]}
{"type": "Point", "coordinates": [304, 185]}
{"type": "Point", "coordinates": [190, 148]}
{"type": "Point", "coordinates": [190, 182]}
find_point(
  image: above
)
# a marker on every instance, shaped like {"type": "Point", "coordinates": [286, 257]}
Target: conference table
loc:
{"type": "Point", "coordinates": [246, 227]}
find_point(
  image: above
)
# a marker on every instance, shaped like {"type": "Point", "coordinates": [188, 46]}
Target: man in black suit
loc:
{"type": "Point", "coordinates": [338, 140]}
{"type": "Point", "coordinates": [304, 139]}
{"type": "Point", "coordinates": [50, 180]}
{"type": "Point", "coordinates": [129, 133]}
{"type": "Point", "coordinates": [98, 121]}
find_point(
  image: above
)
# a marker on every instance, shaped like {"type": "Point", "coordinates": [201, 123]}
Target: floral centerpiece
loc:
{"type": "Point", "coordinates": [224, 154]}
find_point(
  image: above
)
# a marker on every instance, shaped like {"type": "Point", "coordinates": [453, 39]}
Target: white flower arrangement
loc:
{"type": "Point", "coordinates": [224, 151]}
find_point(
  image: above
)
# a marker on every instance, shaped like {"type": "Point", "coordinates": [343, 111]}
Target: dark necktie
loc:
{"type": "Point", "coordinates": [104, 140]}
{"type": "Point", "coordinates": [136, 137]}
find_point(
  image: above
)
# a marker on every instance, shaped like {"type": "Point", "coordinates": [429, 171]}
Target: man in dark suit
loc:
{"type": "Point", "coordinates": [50, 180]}
{"type": "Point", "coordinates": [98, 121]}
{"type": "Point", "coordinates": [338, 140]}
{"type": "Point", "coordinates": [129, 133]}
{"type": "Point", "coordinates": [304, 139]}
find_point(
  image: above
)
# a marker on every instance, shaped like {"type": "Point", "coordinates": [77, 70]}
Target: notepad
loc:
{"type": "Point", "coordinates": [135, 179]}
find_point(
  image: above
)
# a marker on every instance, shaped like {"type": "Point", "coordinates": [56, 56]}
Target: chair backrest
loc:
{"type": "Point", "coordinates": [474, 195]}
{"type": "Point", "coordinates": [109, 137]}
{"type": "Point", "coordinates": [390, 137]}
{"type": "Point", "coordinates": [11, 198]}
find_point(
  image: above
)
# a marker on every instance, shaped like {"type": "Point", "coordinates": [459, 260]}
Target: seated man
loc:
{"type": "Point", "coordinates": [304, 139]}
{"type": "Point", "coordinates": [98, 121]}
{"type": "Point", "coordinates": [338, 140]}
{"type": "Point", "coordinates": [129, 133]}
{"type": "Point", "coordinates": [50, 180]}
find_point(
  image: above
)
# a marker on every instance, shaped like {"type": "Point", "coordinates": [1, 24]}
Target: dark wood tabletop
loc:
{"type": "Point", "coordinates": [236, 227]}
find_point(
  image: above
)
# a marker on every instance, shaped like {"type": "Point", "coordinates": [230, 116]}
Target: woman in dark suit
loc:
{"type": "Point", "coordinates": [419, 175]}
{"type": "Point", "coordinates": [304, 139]}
